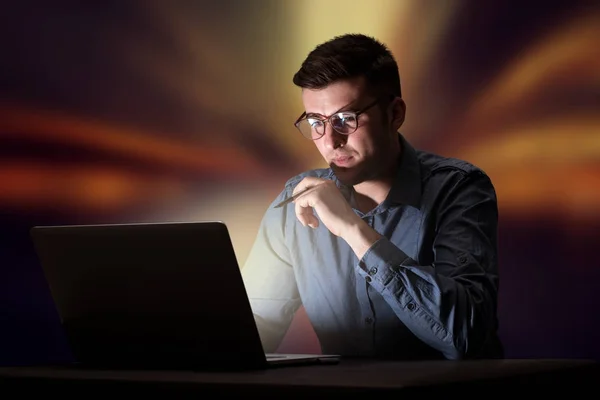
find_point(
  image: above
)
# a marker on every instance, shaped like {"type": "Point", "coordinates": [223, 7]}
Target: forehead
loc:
{"type": "Point", "coordinates": [337, 95]}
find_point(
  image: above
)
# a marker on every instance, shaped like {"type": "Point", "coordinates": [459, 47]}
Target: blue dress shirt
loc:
{"type": "Point", "coordinates": [427, 289]}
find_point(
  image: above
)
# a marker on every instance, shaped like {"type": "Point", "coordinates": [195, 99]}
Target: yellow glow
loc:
{"type": "Point", "coordinates": [539, 143]}
{"type": "Point", "coordinates": [568, 193]}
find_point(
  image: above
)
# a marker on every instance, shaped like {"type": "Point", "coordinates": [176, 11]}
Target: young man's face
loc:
{"type": "Point", "coordinates": [366, 153]}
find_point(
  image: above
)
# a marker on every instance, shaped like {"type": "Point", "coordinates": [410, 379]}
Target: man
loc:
{"type": "Point", "coordinates": [392, 250]}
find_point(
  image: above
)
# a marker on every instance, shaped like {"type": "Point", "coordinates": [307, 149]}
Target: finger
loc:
{"type": "Point", "coordinates": [306, 184]}
{"type": "Point", "coordinates": [305, 214]}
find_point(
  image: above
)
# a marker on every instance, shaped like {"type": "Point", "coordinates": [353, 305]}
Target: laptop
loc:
{"type": "Point", "coordinates": [154, 295]}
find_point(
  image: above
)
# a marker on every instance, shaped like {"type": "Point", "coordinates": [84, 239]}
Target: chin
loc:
{"type": "Point", "coordinates": [347, 175]}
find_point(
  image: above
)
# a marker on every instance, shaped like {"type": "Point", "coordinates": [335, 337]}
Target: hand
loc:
{"type": "Point", "coordinates": [335, 212]}
{"type": "Point", "coordinates": [325, 198]}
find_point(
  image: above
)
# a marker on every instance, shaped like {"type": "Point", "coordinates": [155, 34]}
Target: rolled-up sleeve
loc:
{"type": "Point", "coordinates": [449, 304]}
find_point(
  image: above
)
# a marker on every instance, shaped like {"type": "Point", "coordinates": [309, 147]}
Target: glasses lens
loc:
{"type": "Point", "coordinates": [344, 122]}
{"type": "Point", "coordinates": [311, 128]}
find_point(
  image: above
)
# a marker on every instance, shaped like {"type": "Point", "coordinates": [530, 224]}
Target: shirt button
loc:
{"type": "Point", "coordinates": [462, 259]}
{"type": "Point", "coordinates": [368, 320]}
{"type": "Point", "coordinates": [368, 278]}
{"type": "Point", "coordinates": [411, 306]}
{"type": "Point", "coordinates": [373, 271]}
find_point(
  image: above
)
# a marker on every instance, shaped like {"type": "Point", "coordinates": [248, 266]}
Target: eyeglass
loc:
{"type": "Point", "coordinates": [343, 122]}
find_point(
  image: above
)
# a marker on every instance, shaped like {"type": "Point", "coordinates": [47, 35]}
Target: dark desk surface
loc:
{"type": "Point", "coordinates": [349, 376]}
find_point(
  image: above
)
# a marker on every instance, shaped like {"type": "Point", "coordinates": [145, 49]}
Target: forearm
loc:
{"type": "Point", "coordinates": [273, 318]}
{"type": "Point", "coordinates": [272, 292]}
{"type": "Point", "coordinates": [450, 315]}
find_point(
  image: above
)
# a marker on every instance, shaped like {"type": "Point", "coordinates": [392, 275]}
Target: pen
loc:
{"type": "Point", "coordinates": [294, 197]}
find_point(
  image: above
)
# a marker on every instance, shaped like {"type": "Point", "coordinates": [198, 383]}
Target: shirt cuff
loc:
{"type": "Point", "coordinates": [379, 264]}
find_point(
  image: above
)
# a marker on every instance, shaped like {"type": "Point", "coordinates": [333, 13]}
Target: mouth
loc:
{"type": "Point", "coordinates": [342, 161]}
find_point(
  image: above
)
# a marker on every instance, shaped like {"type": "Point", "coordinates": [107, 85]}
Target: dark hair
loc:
{"type": "Point", "coordinates": [350, 56]}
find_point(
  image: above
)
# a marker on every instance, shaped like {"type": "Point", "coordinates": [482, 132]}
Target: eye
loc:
{"type": "Point", "coordinates": [315, 123]}
{"type": "Point", "coordinates": [344, 121]}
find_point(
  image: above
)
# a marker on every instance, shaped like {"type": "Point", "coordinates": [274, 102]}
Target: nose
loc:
{"type": "Point", "coordinates": [332, 138]}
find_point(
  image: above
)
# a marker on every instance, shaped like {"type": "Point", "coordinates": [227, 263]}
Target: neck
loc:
{"type": "Point", "coordinates": [371, 193]}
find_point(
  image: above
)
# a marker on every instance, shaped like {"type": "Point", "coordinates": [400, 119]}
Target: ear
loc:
{"type": "Point", "coordinates": [398, 108]}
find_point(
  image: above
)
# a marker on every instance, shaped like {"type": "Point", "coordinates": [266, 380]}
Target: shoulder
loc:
{"type": "Point", "coordinates": [440, 174]}
{"type": "Point", "coordinates": [435, 167]}
{"type": "Point", "coordinates": [435, 164]}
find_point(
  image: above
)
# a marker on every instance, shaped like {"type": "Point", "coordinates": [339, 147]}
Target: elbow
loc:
{"type": "Point", "coordinates": [462, 346]}
{"type": "Point", "coordinates": [475, 340]}
{"type": "Point", "coordinates": [462, 349]}
{"type": "Point", "coordinates": [474, 333]}
{"type": "Point", "coordinates": [473, 336]}
{"type": "Point", "coordinates": [454, 353]}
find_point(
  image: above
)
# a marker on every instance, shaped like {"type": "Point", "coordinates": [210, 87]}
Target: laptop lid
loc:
{"type": "Point", "coordinates": [165, 295]}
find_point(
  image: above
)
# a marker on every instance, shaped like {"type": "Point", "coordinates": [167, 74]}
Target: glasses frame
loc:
{"type": "Point", "coordinates": [327, 119]}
